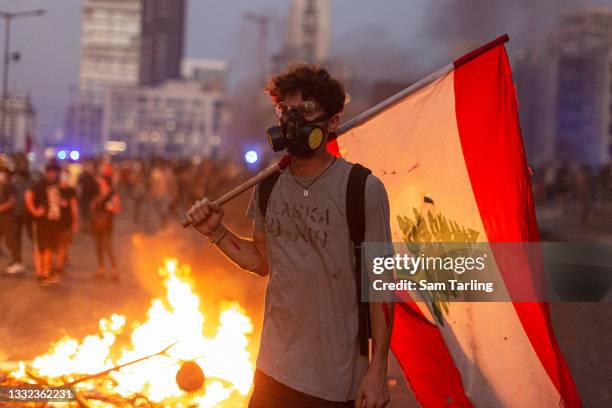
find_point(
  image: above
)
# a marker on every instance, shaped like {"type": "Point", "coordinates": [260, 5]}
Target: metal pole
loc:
{"type": "Point", "coordinates": [7, 62]}
{"type": "Point", "coordinates": [5, 75]}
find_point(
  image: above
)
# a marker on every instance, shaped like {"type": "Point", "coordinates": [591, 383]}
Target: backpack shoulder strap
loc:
{"type": "Point", "coordinates": [355, 215]}
{"type": "Point", "coordinates": [265, 189]}
{"type": "Point", "coordinates": [355, 202]}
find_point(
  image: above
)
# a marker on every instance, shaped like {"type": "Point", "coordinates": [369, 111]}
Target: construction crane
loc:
{"type": "Point", "coordinates": [262, 21]}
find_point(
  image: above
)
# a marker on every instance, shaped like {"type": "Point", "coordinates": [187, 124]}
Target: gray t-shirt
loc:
{"type": "Point", "coordinates": [309, 335]}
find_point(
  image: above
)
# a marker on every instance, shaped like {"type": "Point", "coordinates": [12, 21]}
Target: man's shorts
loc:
{"type": "Point", "coordinates": [64, 236]}
{"type": "Point", "coordinates": [47, 234]}
{"type": "Point", "coordinates": [269, 393]}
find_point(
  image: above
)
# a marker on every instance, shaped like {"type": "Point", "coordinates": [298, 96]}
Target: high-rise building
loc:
{"type": "Point", "coordinates": [179, 118]}
{"type": "Point", "coordinates": [19, 122]}
{"type": "Point", "coordinates": [212, 73]}
{"type": "Point", "coordinates": [110, 45]}
{"type": "Point", "coordinates": [123, 43]}
{"type": "Point", "coordinates": [583, 86]}
{"type": "Point", "coordinates": [162, 40]}
{"type": "Point", "coordinates": [527, 75]}
{"type": "Point", "coordinates": [308, 29]}
{"type": "Point", "coordinates": [307, 36]}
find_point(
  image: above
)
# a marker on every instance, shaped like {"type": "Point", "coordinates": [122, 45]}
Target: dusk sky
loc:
{"type": "Point", "coordinates": [379, 38]}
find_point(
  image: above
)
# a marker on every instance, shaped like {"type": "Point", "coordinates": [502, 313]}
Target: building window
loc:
{"type": "Point", "coordinates": [163, 8]}
{"type": "Point", "coordinates": [175, 103]}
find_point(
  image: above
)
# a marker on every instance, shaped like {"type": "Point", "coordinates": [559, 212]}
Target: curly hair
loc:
{"type": "Point", "coordinates": [314, 83]}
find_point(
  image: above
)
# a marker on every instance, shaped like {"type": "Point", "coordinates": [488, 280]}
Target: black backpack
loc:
{"type": "Point", "coordinates": [355, 215]}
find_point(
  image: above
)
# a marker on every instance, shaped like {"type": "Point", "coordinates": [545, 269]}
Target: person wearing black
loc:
{"type": "Point", "coordinates": [307, 234]}
{"type": "Point", "coordinates": [43, 202]}
{"type": "Point", "coordinates": [87, 191]}
{"type": "Point", "coordinates": [103, 209]}
{"type": "Point", "coordinates": [22, 181]}
{"type": "Point", "coordinates": [8, 224]}
{"type": "Point", "coordinates": [69, 217]}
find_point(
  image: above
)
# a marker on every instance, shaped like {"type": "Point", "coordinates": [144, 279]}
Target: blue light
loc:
{"type": "Point", "coordinates": [61, 155]}
{"type": "Point", "coordinates": [74, 155]}
{"type": "Point", "coordinates": [251, 157]}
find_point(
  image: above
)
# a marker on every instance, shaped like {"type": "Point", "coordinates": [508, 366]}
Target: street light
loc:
{"type": "Point", "coordinates": [8, 17]}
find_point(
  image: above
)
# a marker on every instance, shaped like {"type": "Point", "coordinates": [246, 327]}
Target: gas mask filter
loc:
{"type": "Point", "coordinates": [301, 138]}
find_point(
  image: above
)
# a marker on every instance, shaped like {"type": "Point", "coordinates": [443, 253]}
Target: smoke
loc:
{"type": "Point", "coordinates": [446, 29]}
{"type": "Point", "coordinates": [460, 25]}
{"type": "Point", "coordinates": [373, 54]}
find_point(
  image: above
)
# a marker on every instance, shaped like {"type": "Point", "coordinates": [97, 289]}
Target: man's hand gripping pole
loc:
{"type": "Point", "coordinates": [271, 169]}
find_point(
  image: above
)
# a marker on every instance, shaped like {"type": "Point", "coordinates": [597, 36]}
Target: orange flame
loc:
{"type": "Point", "coordinates": [224, 358]}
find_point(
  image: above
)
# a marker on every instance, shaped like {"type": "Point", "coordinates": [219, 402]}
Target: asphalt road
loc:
{"type": "Point", "coordinates": [32, 317]}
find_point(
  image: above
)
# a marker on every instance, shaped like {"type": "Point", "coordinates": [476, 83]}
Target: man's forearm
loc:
{"type": "Point", "coordinates": [241, 251]}
{"type": "Point", "coordinates": [74, 209]}
{"type": "Point", "coordinates": [381, 315]}
{"type": "Point", "coordinates": [7, 205]}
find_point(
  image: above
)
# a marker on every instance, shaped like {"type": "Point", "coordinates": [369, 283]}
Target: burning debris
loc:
{"type": "Point", "coordinates": [167, 361]}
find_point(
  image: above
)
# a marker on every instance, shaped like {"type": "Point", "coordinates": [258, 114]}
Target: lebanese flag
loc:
{"type": "Point", "coordinates": [454, 138]}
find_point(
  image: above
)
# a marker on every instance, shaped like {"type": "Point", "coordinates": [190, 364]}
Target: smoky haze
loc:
{"type": "Point", "coordinates": [394, 40]}
{"type": "Point", "coordinates": [445, 30]}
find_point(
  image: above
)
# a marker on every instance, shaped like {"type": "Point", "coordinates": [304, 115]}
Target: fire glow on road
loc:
{"type": "Point", "coordinates": [177, 318]}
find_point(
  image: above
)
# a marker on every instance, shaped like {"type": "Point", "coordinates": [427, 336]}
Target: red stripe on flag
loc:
{"type": "Point", "coordinates": [332, 147]}
{"type": "Point", "coordinates": [425, 360]}
{"type": "Point", "coordinates": [487, 119]}
{"type": "Point", "coordinates": [421, 351]}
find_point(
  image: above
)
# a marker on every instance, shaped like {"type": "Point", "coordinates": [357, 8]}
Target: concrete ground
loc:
{"type": "Point", "coordinates": [32, 317]}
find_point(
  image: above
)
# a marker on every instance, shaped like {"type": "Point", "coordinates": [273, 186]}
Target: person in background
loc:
{"type": "Point", "coordinates": [43, 202]}
{"type": "Point", "coordinates": [87, 189]}
{"type": "Point", "coordinates": [103, 209]}
{"type": "Point", "coordinates": [172, 192]}
{"type": "Point", "coordinates": [69, 219]}
{"type": "Point", "coordinates": [139, 191]}
{"type": "Point", "coordinates": [159, 193]}
{"type": "Point", "coordinates": [21, 180]}
{"type": "Point", "coordinates": [8, 224]}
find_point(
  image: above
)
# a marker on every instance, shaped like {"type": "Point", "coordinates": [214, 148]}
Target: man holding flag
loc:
{"type": "Point", "coordinates": [453, 150]}
{"type": "Point", "coordinates": [314, 350]}
{"type": "Point", "coordinates": [447, 149]}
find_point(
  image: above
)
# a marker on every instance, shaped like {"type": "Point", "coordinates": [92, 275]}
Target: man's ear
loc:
{"type": "Point", "coordinates": [334, 122]}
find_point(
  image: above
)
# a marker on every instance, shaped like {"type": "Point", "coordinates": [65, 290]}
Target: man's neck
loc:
{"type": "Point", "coordinates": [312, 166]}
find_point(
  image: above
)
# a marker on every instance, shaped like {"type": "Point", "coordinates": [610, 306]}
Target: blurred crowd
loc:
{"type": "Point", "coordinates": [575, 190]}
{"type": "Point", "coordinates": [160, 190]}
{"type": "Point", "coordinates": [52, 204]}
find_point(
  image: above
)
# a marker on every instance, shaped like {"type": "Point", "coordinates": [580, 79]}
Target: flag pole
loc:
{"type": "Point", "coordinates": [364, 116]}
{"type": "Point", "coordinates": [359, 119]}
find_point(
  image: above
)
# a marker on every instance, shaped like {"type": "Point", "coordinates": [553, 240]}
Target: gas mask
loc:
{"type": "Point", "coordinates": [301, 137]}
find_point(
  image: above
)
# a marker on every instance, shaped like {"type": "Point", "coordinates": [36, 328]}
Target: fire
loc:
{"type": "Point", "coordinates": [175, 320]}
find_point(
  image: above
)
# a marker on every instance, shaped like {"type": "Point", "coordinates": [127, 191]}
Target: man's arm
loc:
{"type": "Point", "coordinates": [374, 390]}
{"type": "Point", "coordinates": [8, 204]}
{"type": "Point", "coordinates": [248, 254]}
{"type": "Point", "coordinates": [74, 210]}
{"type": "Point", "coordinates": [381, 317]}
{"type": "Point", "coordinates": [29, 203]}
